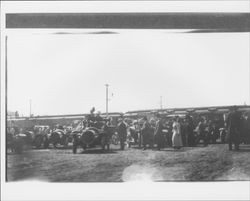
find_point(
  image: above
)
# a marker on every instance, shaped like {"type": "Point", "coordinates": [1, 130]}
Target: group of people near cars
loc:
{"type": "Point", "coordinates": [147, 133]}
{"type": "Point", "coordinates": [178, 131]}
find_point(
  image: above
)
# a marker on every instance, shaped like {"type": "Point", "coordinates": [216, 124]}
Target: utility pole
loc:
{"type": "Point", "coordinates": [30, 107]}
{"type": "Point", "coordinates": [161, 102]}
{"type": "Point", "coordinates": [107, 98]}
{"type": "Point", "coordinates": [6, 70]}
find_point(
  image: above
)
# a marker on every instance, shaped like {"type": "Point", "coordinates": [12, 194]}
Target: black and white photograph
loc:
{"type": "Point", "coordinates": [134, 92]}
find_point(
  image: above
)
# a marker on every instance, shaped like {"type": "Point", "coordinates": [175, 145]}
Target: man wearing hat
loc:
{"type": "Point", "coordinates": [146, 134]}
{"type": "Point", "coordinates": [159, 137]}
{"type": "Point", "coordinates": [122, 132]}
{"type": "Point", "coordinates": [91, 118]}
{"type": "Point", "coordinates": [107, 132]}
{"type": "Point", "coordinates": [233, 126]}
{"type": "Point", "coordinates": [190, 131]}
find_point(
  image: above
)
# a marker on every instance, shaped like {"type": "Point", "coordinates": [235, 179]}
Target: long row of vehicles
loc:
{"type": "Point", "coordinates": [88, 136]}
{"type": "Point", "coordinates": [17, 141]}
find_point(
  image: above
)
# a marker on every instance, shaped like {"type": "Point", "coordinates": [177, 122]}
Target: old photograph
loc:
{"type": "Point", "coordinates": [121, 96]}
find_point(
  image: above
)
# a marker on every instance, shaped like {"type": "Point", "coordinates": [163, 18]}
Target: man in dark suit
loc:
{"type": "Point", "coordinates": [190, 131]}
{"type": "Point", "coordinates": [122, 132]}
{"type": "Point", "coordinates": [146, 134]}
{"type": "Point", "coordinates": [159, 137]}
{"type": "Point", "coordinates": [107, 134]}
{"type": "Point", "coordinates": [91, 118]}
{"type": "Point", "coordinates": [246, 128]}
{"type": "Point", "coordinates": [234, 126]}
{"type": "Point", "coordinates": [99, 121]}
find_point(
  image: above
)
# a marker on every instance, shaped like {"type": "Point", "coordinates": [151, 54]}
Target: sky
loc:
{"type": "Point", "coordinates": [67, 73]}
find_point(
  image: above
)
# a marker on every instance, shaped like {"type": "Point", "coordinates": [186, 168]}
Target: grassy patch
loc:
{"type": "Point", "coordinates": [210, 165]}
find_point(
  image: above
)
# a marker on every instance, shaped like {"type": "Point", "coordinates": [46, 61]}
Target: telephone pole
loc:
{"type": "Point", "coordinates": [107, 98]}
{"type": "Point", "coordinates": [6, 70]}
{"type": "Point", "coordinates": [161, 102]}
{"type": "Point", "coordinates": [30, 107]}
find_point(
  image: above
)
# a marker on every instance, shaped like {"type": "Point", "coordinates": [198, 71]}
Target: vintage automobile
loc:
{"type": "Point", "coordinates": [91, 137]}
{"type": "Point", "coordinates": [17, 142]}
{"type": "Point", "coordinates": [58, 137]}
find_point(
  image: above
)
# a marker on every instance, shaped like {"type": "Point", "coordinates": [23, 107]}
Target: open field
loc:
{"type": "Point", "coordinates": [213, 162]}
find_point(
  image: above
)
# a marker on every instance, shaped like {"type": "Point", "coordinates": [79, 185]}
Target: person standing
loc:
{"type": "Point", "coordinates": [146, 134]}
{"type": "Point", "coordinates": [201, 130]}
{"type": "Point", "coordinates": [122, 133]}
{"type": "Point", "coordinates": [190, 131]}
{"type": "Point", "coordinates": [140, 124]}
{"type": "Point", "coordinates": [184, 132]}
{"type": "Point", "coordinates": [152, 131]}
{"type": "Point", "coordinates": [169, 128]}
{"type": "Point", "coordinates": [91, 118]}
{"type": "Point", "coordinates": [233, 126]}
{"type": "Point", "coordinates": [134, 132]}
{"type": "Point", "coordinates": [176, 138]}
{"type": "Point", "coordinates": [106, 134]}
{"type": "Point", "coordinates": [159, 137]}
{"type": "Point", "coordinates": [99, 121]}
{"type": "Point", "coordinates": [246, 128]}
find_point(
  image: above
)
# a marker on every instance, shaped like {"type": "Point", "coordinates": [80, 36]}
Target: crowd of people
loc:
{"type": "Point", "coordinates": [175, 132]}
{"type": "Point", "coordinates": [179, 131]}
{"type": "Point", "coordinates": [159, 131]}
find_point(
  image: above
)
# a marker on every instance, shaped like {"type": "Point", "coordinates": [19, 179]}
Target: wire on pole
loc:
{"type": "Point", "coordinates": [30, 107]}
{"type": "Point", "coordinates": [107, 99]}
{"type": "Point", "coordinates": [161, 102]}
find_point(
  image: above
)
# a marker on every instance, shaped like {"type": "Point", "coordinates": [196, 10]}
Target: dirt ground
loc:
{"type": "Point", "coordinates": [210, 163]}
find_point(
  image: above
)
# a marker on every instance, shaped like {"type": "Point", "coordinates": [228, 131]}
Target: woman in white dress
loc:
{"type": "Point", "coordinates": [176, 138]}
